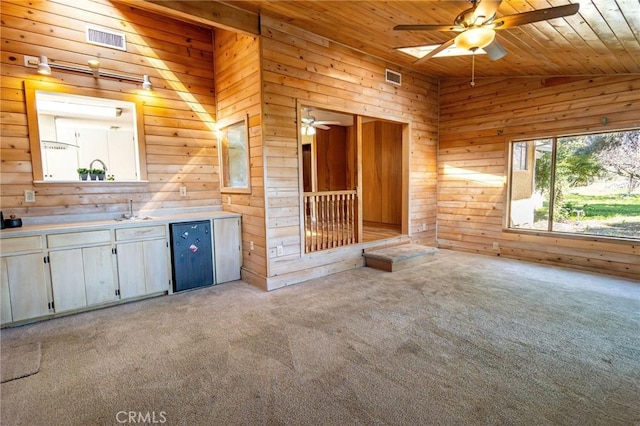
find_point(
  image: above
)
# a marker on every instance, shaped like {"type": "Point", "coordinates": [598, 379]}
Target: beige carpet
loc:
{"type": "Point", "coordinates": [19, 361]}
{"type": "Point", "coordinates": [461, 340]}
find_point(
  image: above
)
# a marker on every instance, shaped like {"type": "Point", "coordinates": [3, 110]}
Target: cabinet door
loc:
{"type": "Point", "coordinates": [5, 298]}
{"type": "Point", "coordinates": [25, 275]}
{"type": "Point", "coordinates": [67, 279]}
{"type": "Point", "coordinates": [156, 265]}
{"type": "Point", "coordinates": [131, 275]}
{"type": "Point", "coordinates": [99, 277]}
{"type": "Point", "coordinates": [226, 234]}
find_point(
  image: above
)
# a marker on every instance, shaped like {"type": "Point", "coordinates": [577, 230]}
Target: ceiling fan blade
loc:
{"type": "Point", "coordinates": [510, 21]}
{"type": "Point", "coordinates": [486, 9]}
{"type": "Point", "coordinates": [419, 27]}
{"type": "Point", "coordinates": [495, 50]}
{"type": "Point", "coordinates": [328, 123]}
{"type": "Point", "coordinates": [320, 126]}
{"type": "Point", "coordinates": [435, 51]}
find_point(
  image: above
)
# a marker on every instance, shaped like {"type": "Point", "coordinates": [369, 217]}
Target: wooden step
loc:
{"type": "Point", "coordinates": [398, 257]}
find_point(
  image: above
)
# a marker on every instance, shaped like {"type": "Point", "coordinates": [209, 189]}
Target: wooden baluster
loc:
{"type": "Point", "coordinates": [307, 225]}
{"type": "Point", "coordinates": [339, 218]}
{"type": "Point", "coordinates": [314, 224]}
{"type": "Point", "coordinates": [332, 206]}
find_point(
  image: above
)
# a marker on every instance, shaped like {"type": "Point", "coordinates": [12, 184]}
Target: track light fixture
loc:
{"type": "Point", "coordinates": [44, 68]}
{"type": "Point", "coordinates": [146, 83]}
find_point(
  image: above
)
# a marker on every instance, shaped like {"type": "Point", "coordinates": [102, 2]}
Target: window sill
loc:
{"type": "Point", "coordinates": [89, 182]}
{"type": "Point", "coordinates": [571, 236]}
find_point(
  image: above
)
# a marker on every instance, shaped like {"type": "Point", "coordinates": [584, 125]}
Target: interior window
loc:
{"type": "Point", "coordinates": [77, 137]}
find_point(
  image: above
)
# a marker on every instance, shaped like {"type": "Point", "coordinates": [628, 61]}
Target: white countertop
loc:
{"type": "Point", "coordinates": [145, 219]}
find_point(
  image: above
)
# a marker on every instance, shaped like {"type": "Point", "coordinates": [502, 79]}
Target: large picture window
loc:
{"type": "Point", "coordinates": [582, 184]}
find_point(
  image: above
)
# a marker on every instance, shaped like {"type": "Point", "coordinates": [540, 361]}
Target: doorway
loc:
{"type": "Point", "coordinates": [339, 150]}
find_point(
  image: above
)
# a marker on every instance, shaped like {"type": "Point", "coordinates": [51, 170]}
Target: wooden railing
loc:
{"type": "Point", "coordinates": [330, 219]}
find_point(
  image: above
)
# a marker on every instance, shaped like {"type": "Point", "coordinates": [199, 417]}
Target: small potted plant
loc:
{"type": "Point", "coordinates": [83, 173]}
{"type": "Point", "coordinates": [97, 174]}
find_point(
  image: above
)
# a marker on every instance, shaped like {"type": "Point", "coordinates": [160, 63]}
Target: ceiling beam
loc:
{"type": "Point", "coordinates": [211, 13]}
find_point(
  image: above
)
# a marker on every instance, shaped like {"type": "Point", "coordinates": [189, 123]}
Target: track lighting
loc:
{"type": "Point", "coordinates": [146, 83]}
{"type": "Point", "coordinates": [44, 68]}
{"type": "Point", "coordinates": [94, 65]}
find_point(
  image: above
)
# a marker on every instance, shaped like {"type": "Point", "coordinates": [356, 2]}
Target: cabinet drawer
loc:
{"type": "Point", "coordinates": [9, 245]}
{"type": "Point", "coordinates": [79, 238]}
{"type": "Point", "coordinates": [141, 233]}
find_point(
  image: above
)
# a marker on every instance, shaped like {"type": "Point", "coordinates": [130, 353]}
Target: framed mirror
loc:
{"type": "Point", "coordinates": [234, 155]}
{"type": "Point", "coordinates": [76, 135]}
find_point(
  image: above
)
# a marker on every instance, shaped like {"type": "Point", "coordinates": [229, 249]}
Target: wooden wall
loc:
{"type": "Point", "coordinates": [300, 66]}
{"type": "Point", "coordinates": [382, 172]}
{"type": "Point", "coordinates": [179, 113]}
{"type": "Point", "coordinates": [476, 125]}
{"type": "Point", "coordinates": [332, 153]}
{"type": "Point", "coordinates": [237, 74]}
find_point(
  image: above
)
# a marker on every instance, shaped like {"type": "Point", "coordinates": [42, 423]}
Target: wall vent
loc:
{"type": "Point", "coordinates": [106, 38]}
{"type": "Point", "coordinates": [393, 77]}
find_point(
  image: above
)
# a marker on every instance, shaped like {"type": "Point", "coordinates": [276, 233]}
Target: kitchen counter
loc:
{"type": "Point", "coordinates": [149, 219]}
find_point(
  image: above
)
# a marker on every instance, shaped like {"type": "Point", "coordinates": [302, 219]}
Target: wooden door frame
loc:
{"type": "Point", "coordinates": [406, 162]}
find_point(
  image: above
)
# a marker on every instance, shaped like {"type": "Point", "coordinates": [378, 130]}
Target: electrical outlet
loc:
{"type": "Point", "coordinates": [251, 246]}
{"type": "Point", "coordinates": [29, 196]}
{"type": "Point", "coordinates": [424, 227]}
{"type": "Point", "coordinates": [496, 245]}
{"type": "Point", "coordinates": [228, 199]}
{"type": "Point", "coordinates": [183, 191]}
{"type": "Point", "coordinates": [280, 250]}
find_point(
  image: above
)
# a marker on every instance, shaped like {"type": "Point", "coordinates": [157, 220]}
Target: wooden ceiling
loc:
{"type": "Point", "coordinates": [602, 38]}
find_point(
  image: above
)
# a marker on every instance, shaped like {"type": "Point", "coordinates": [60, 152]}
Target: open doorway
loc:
{"type": "Point", "coordinates": [339, 150]}
{"type": "Point", "coordinates": [381, 179]}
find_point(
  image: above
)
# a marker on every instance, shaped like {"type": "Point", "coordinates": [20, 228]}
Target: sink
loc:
{"type": "Point", "coordinates": [133, 219]}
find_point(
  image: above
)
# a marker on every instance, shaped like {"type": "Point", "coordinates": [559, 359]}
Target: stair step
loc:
{"type": "Point", "coordinates": [399, 257]}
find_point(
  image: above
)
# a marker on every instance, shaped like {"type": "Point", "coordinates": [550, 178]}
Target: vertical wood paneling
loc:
{"type": "Point", "coordinates": [382, 172]}
{"type": "Point", "coordinates": [179, 114]}
{"type": "Point", "coordinates": [298, 65]}
{"type": "Point", "coordinates": [332, 149]}
{"type": "Point", "coordinates": [237, 73]}
{"type": "Point", "coordinates": [476, 125]}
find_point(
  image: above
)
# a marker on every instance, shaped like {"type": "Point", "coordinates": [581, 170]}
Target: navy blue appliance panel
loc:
{"type": "Point", "coordinates": [192, 255]}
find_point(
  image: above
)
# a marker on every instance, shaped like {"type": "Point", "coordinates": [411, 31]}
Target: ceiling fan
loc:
{"type": "Point", "coordinates": [310, 124]}
{"type": "Point", "coordinates": [478, 24]}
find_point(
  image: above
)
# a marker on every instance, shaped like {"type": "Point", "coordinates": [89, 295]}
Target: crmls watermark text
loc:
{"type": "Point", "coordinates": [139, 417]}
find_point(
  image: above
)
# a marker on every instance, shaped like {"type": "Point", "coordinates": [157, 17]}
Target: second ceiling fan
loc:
{"type": "Point", "coordinates": [477, 26]}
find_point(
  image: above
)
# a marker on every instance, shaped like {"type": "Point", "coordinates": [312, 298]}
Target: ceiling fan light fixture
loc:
{"type": "Point", "coordinates": [475, 38]}
{"type": "Point", "coordinates": [308, 130]}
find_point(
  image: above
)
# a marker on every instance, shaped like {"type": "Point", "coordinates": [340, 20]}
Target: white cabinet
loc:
{"type": "Point", "coordinates": [143, 261]}
{"type": "Point", "coordinates": [62, 271]}
{"type": "Point", "coordinates": [227, 250]}
{"type": "Point", "coordinates": [67, 278]}
{"type": "Point", "coordinates": [82, 269]}
{"type": "Point", "coordinates": [23, 286]}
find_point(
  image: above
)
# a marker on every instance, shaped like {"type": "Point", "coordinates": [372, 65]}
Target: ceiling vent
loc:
{"type": "Point", "coordinates": [106, 38]}
{"type": "Point", "coordinates": [393, 77]}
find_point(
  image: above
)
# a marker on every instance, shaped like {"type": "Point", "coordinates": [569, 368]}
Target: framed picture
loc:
{"type": "Point", "coordinates": [234, 155]}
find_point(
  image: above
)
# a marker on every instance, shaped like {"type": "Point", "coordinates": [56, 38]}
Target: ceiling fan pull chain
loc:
{"type": "Point", "coordinates": [473, 68]}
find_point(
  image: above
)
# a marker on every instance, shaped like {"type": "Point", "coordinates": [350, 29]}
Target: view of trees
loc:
{"type": "Point", "coordinates": [596, 179]}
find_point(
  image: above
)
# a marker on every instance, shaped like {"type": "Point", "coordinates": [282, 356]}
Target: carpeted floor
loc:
{"type": "Point", "coordinates": [462, 339]}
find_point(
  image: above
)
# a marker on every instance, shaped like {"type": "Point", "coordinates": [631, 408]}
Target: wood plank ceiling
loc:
{"type": "Point", "coordinates": [603, 38]}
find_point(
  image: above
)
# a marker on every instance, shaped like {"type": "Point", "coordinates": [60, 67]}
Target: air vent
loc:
{"type": "Point", "coordinates": [393, 77]}
{"type": "Point", "coordinates": [106, 38]}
